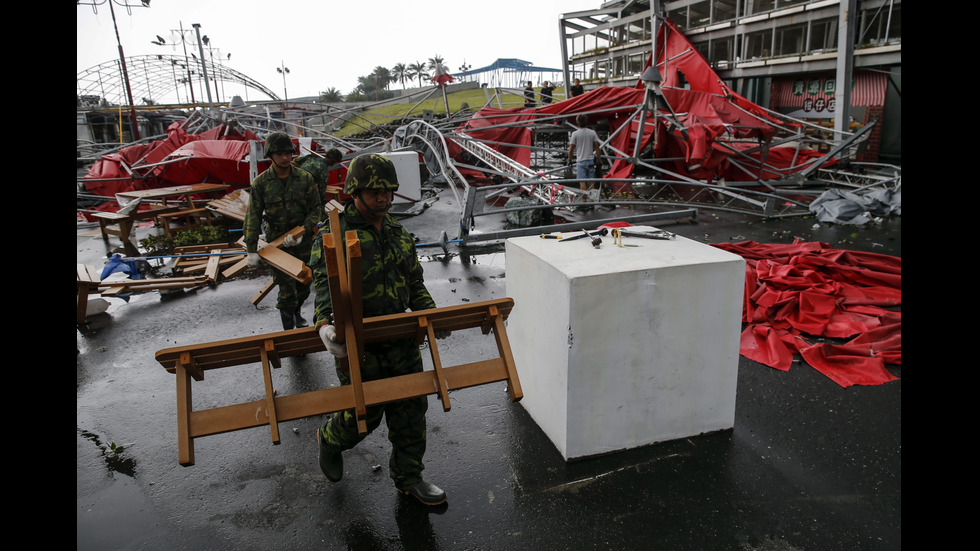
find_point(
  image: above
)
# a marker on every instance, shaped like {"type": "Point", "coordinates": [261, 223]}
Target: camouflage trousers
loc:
{"type": "Point", "coordinates": [292, 293]}
{"type": "Point", "coordinates": [405, 418]}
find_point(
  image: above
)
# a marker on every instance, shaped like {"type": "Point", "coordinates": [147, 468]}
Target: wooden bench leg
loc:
{"type": "Point", "coordinates": [185, 443]}
{"type": "Point", "coordinates": [83, 289]}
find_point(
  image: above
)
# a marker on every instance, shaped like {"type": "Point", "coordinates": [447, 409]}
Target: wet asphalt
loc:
{"type": "Point", "coordinates": [808, 465]}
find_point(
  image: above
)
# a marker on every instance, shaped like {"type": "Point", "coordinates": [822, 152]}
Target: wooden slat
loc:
{"type": "Point", "coordinates": [253, 414]}
{"type": "Point", "coordinates": [443, 390]}
{"type": "Point", "coordinates": [270, 393]}
{"type": "Point", "coordinates": [211, 272]}
{"type": "Point", "coordinates": [305, 340]}
{"type": "Point", "coordinates": [264, 291]}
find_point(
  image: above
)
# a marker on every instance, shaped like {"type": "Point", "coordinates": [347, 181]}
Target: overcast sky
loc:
{"type": "Point", "coordinates": [325, 43]}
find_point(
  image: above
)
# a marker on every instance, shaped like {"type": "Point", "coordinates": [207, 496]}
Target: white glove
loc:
{"type": "Point", "coordinates": [253, 260]}
{"type": "Point", "coordinates": [291, 241]}
{"type": "Point", "coordinates": [328, 334]}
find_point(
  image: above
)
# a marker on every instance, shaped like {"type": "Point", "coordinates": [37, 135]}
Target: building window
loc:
{"type": "Point", "coordinates": [790, 40]}
{"type": "Point", "coordinates": [879, 26]}
{"type": "Point", "coordinates": [723, 10]}
{"type": "Point", "coordinates": [758, 44]}
{"type": "Point", "coordinates": [721, 52]}
{"type": "Point", "coordinates": [823, 36]}
{"type": "Point", "coordinates": [699, 14]}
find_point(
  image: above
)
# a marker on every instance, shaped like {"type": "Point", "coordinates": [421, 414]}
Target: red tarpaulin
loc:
{"type": "Point", "coordinates": [132, 168]}
{"type": "Point", "coordinates": [711, 117]}
{"type": "Point", "coordinates": [806, 290]}
{"type": "Point", "coordinates": [206, 161]}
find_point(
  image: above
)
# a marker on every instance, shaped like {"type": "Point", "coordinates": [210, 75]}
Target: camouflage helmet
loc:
{"type": "Point", "coordinates": [334, 155]}
{"type": "Point", "coordinates": [371, 171]}
{"type": "Point", "coordinates": [276, 142]}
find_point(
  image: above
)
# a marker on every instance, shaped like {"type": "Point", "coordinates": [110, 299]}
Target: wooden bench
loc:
{"type": "Point", "coordinates": [189, 363]}
{"type": "Point", "coordinates": [185, 219]}
{"type": "Point", "coordinates": [87, 283]}
{"type": "Point", "coordinates": [121, 225]}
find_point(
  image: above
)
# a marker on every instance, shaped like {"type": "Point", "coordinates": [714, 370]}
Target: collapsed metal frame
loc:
{"type": "Point", "coordinates": [661, 188]}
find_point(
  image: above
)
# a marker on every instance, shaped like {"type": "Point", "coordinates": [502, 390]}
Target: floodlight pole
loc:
{"type": "Point", "coordinates": [129, 91]}
{"type": "Point", "coordinates": [204, 63]}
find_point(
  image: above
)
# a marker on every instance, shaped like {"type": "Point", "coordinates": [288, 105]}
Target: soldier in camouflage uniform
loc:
{"type": "Point", "coordinates": [392, 283]}
{"type": "Point", "coordinates": [282, 198]}
{"type": "Point", "coordinates": [319, 168]}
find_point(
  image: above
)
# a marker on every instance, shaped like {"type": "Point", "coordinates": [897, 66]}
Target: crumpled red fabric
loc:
{"type": "Point", "coordinates": [797, 295]}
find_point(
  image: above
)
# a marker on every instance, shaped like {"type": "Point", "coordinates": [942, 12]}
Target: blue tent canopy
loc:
{"type": "Point", "coordinates": [509, 66]}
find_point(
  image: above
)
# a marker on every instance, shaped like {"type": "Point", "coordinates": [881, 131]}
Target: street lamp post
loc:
{"type": "Point", "coordinates": [214, 72]}
{"type": "Point", "coordinates": [122, 59]}
{"type": "Point", "coordinates": [283, 70]}
{"type": "Point", "coordinates": [463, 68]}
{"type": "Point", "coordinates": [204, 64]}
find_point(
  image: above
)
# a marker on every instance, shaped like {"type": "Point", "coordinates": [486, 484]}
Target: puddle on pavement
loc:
{"type": "Point", "coordinates": [114, 455]}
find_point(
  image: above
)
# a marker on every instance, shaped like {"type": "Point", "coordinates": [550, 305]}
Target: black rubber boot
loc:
{"type": "Point", "coordinates": [298, 317]}
{"type": "Point", "coordinates": [331, 462]}
{"type": "Point", "coordinates": [287, 319]}
{"type": "Point", "coordinates": [429, 494]}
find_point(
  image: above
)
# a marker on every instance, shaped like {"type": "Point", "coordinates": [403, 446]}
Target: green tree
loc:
{"type": "Point", "coordinates": [382, 76]}
{"type": "Point", "coordinates": [434, 62]}
{"type": "Point", "coordinates": [331, 95]}
{"type": "Point", "coordinates": [417, 69]}
{"type": "Point", "coordinates": [399, 73]}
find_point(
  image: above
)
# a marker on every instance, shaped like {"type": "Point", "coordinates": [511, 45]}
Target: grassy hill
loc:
{"type": "Point", "coordinates": [470, 100]}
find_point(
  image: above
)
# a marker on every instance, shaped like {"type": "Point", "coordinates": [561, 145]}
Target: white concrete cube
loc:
{"type": "Point", "coordinates": [619, 347]}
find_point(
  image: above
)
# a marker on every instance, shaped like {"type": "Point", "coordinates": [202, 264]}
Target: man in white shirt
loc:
{"type": "Point", "coordinates": [582, 144]}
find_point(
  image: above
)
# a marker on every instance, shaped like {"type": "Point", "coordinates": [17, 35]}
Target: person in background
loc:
{"type": "Point", "coordinates": [582, 144]}
{"type": "Point", "coordinates": [319, 168]}
{"type": "Point", "coordinates": [576, 89]}
{"type": "Point", "coordinates": [529, 96]}
{"type": "Point", "coordinates": [281, 198]}
{"type": "Point", "coordinates": [547, 92]}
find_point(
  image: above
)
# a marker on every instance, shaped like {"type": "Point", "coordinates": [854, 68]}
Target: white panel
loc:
{"type": "Point", "coordinates": [409, 180]}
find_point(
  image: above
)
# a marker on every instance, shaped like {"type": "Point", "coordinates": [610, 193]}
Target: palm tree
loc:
{"type": "Point", "coordinates": [434, 62]}
{"type": "Point", "coordinates": [417, 69]}
{"type": "Point", "coordinates": [331, 95]}
{"type": "Point", "coordinates": [400, 72]}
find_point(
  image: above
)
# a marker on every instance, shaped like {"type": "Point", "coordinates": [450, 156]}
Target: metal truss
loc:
{"type": "Point", "coordinates": [158, 76]}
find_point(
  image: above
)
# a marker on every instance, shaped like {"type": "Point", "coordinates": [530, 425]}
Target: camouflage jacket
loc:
{"type": "Point", "coordinates": [319, 168]}
{"type": "Point", "coordinates": [281, 205]}
{"type": "Point", "coordinates": [392, 280]}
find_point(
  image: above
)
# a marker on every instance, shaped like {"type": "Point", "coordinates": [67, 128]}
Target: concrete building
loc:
{"type": "Point", "coordinates": [785, 55]}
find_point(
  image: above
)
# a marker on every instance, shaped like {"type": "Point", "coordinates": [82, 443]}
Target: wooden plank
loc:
{"type": "Point", "coordinates": [503, 345]}
{"type": "Point", "coordinates": [253, 414]}
{"type": "Point", "coordinates": [270, 393]}
{"type": "Point", "coordinates": [264, 291]}
{"type": "Point", "coordinates": [443, 390]}
{"type": "Point", "coordinates": [212, 268]}
{"type": "Point", "coordinates": [287, 264]}
{"type": "Point", "coordinates": [350, 292]}
{"type": "Point", "coordinates": [237, 269]}
{"type": "Point", "coordinates": [185, 406]}
{"type": "Point", "coordinates": [305, 340]}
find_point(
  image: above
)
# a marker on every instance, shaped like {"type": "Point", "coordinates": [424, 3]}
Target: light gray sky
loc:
{"type": "Point", "coordinates": [325, 43]}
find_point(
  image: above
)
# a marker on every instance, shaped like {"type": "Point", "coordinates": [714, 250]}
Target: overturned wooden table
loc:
{"type": "Point", "coordinates": [189, 363]}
